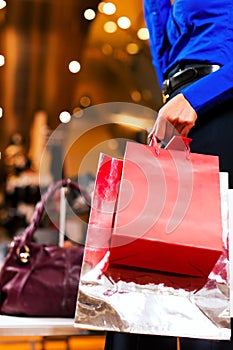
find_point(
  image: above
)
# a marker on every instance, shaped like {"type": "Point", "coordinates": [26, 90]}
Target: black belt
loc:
{"type": "Point", "coordinates": [187, 75]}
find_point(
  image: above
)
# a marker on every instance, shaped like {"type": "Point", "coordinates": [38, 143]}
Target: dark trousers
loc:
{"type": "Point", "coordinates": [213, 134]}
{"type": "Point", "coordinates": [125, 341]}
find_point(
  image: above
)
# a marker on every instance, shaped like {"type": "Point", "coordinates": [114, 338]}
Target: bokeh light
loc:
{"type": "Point", "coordinates": [132, 48]}
{"type": "Point", "coordinates": [143, 34]}
{"type": "Point", "coordinates": [89, 14]}
{"type": "Point", "coordinates": [110, 27]}
{"type": "Point", "coordinates": [74, 66]}
{"type": "Point", "coordinates": [109, 8]}
{"type": "Point", "coordinates": [124, 22]}
{"type": "Point", "coordinates": [65, 117]}
{"type": "Point", "coordinates": [2, 60]}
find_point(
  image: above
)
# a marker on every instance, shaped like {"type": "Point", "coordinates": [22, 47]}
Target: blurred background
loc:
{"type": "Point", "coordinates": [59, 59]}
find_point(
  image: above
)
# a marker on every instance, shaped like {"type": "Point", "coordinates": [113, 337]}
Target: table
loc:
{"type": "Point", "coordinates": [21, 326]}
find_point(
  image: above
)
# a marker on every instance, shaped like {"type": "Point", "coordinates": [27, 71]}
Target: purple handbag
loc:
{"type": "Point", "coordinates": [40, 280]}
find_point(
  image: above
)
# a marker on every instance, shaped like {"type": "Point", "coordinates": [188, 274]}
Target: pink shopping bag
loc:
{"type": "Point", "coordinates": [168, 214]}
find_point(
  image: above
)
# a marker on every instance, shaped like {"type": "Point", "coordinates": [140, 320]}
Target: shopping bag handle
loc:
{"type": "Point", "coordinates": [178, 143]}
{"type": "Point", "coordinates": [153, 142]}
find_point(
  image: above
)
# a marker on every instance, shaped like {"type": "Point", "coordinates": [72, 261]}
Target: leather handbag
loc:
{"type": "Point", "coordinates": [37, 279]}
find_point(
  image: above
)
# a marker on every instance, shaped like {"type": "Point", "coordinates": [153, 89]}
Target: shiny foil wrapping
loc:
{"type": "Point", "coordinates": [126, 299]}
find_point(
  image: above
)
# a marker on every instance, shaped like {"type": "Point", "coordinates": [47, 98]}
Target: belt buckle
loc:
{"type": "Point", "coordinates": [193, 70]}
{"type": "Point", "coordinates": [166, 89]}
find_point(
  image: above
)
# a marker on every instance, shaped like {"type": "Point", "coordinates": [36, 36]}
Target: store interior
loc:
{"type": "Point", "coordinates": [76, 79]}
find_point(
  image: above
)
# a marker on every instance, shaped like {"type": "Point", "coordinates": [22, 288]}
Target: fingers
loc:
{"type": "Point", "coordinates": [184, 124]}
{"type": "Point", "coordinates": [160, 128]}
{"type": "Point", "coordinates": [185, 130]}
{"type": "Point", "coordinates": [176, 117]}
{"type": "Point", "coordinates": [165, 129]}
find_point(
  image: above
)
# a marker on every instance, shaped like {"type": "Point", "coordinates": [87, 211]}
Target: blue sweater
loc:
{"type": "Point", "coordinates": [194, 31]}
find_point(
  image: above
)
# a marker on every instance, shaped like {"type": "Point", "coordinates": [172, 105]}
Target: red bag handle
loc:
{"type": "Point", "coordinates": [153, 142]}
{"type": "Point", "coordinates": [39, 208]}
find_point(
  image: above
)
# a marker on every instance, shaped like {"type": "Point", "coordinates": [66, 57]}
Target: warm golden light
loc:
{"type": "Point", "coordinates": [110, 27]}
{"type": "Point", "coordinates": [85, 101]}
{"type": "Point", "coordinates": [143, 34]}
{"type": "Point", "coordinates": [132, 48]}
{"type": "Point", "coordinates": [124, 22]}
{"type": "Point", "coordinates": [78, 112]}
{"type": "Point", "coordinates": [132, 121]}
{"type": "Point", "coordinates": [65, 117]}
{"type": "Point", "coordinates": [147, 95]}
{"type": "Point", "coordinates": [101, 6]}
{"type": "Point", "coordinates": [74, 66]}
{"type": "Point", "coordinates": [107, 49]}
{"type": "Point", "coordinates": [2, 60]}
{"type": "Point", "coordinates": [1, 112]}
{"type": "Point", "coordinates": [2, 4]}
{"type": "Point", "coordinates": [109, 8]}
{"type": "Point", "coordinates": [136, 96]}
{"type": "Point", "coordinates": [113, 144]}
{"type": "Point", "coordinates": [89, 14]}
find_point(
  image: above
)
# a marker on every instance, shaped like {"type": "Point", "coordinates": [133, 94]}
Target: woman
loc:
{"type": "Point", "coordinates": [192, 49]}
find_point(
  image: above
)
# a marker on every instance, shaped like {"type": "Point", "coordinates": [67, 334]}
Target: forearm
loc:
{"type": "Point", "coordinates": [210, 91]}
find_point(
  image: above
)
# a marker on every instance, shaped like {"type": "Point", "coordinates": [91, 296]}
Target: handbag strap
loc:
{"type": "Point", "coordinates": [40, 206]}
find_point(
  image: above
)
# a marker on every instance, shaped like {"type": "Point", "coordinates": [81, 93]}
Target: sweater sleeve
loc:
{"type": "Point", "coordinates": [156, 14]}
{"type": "Point", "coordinates": [212, 90]}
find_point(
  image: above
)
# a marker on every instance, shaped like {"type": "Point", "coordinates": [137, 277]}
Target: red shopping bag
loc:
{"type": "Point", "coordinates": [113, 278]}
{"type": "Point", "coordinates": [168, 214]}
{"type": "Point", "coordinates": [102, 209]}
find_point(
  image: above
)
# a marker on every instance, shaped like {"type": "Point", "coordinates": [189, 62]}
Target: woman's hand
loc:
{"type": "Point", "coordinates": [176, 117]}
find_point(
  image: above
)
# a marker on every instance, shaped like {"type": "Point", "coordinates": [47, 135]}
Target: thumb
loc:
{"type": "Point", "coordinates": [160, 128]}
